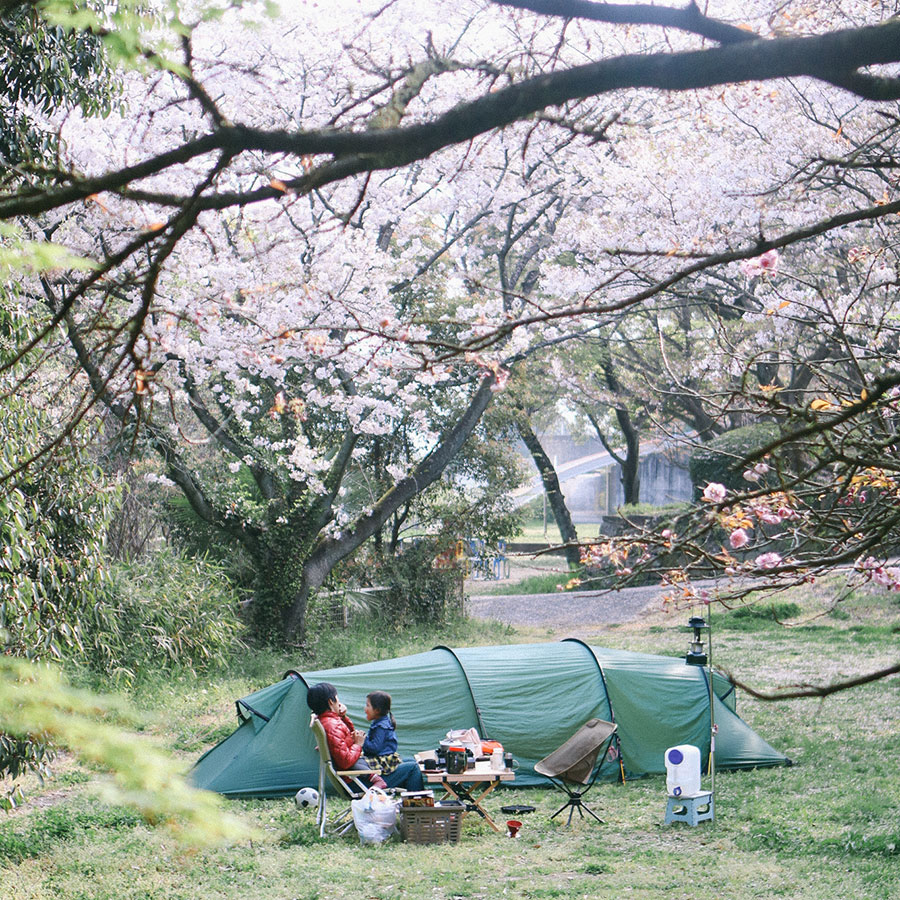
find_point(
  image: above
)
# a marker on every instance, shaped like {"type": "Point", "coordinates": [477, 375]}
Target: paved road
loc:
{"type": "Point", "coordinates": [567, 610]}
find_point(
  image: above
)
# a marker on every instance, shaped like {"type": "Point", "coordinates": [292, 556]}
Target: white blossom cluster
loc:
{"type": "Point", "coordinates": [347, 304]}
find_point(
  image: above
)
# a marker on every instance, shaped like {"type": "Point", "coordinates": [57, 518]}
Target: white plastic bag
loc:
{"type": "Point", "coordinates": [375, 816]}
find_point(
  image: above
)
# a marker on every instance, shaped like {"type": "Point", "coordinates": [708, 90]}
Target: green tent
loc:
{"type": "Point", "coordinates": [530, 697]}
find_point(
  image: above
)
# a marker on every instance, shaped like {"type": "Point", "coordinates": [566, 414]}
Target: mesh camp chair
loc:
{"type": "Point", "coordinates": [346, 785]}
{"type": "Point", "coordinates": [575, 763]}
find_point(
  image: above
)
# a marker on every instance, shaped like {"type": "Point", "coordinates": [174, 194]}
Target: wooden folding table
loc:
{"type": "Point", "coordinates": [470, 787]}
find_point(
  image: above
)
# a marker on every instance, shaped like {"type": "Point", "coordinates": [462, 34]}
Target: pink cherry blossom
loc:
{"type": "Point", "coordinates": [756, 472]}
{"type": "Point", "coordinates": [501, 376]}
{"type": "Point", "coordinates": [714, 492]}
{"type": "Point", "coordinates": [768, 560]}
{"type": "Point", "coordinates": [761, 265]}
{"type": "Point", "coordinates": [738, 538]}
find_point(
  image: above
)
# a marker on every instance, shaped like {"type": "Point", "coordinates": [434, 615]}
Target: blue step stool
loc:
{"type": "Point", "coordinates": [690, 808]}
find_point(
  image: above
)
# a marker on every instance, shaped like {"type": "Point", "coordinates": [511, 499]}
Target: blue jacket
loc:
{"type": "Point", "coordinates": [381, 739]}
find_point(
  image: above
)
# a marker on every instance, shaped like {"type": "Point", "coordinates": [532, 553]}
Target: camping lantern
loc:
{"type": "Point", "coordinates": [696, 655]}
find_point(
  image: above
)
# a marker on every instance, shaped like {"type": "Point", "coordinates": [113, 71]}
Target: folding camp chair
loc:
{"type": "Point", "coordinates": [575, 763]}
{"type": "Point", "coordinates": [350, 789]}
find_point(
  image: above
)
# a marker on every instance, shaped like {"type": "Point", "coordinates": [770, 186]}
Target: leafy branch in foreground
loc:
{"type": "Point", "coordinates": [34, 698]}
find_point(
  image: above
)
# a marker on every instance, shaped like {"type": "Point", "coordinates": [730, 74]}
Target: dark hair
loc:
{"type": "Point", "coordinates": [381, 703]}
{"type": "Point", "coordinates": [318, 695]}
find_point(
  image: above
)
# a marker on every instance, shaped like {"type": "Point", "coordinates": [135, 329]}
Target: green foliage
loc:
{"type": "Point", "coordinates": [758, 615]}
{"type": "Point", "coordinates": [722, 459]}
{"type": "Point", "coordinates": [164, 611]}
{"type": "Point", "coordinates": [548, 583]}
{"type": "Point", "coordinates": [418, 591]}
{"type": "Point", "coordinates": [53, 518]}
{"type": "Point", "coordinates": [401, 587]}
{"type": "Point", "coordinates": [670, 510]}
{"type": "Point", "coordinates": [19, 755]}
{"type": "Point", "coordinates": [370, 636]}
{"type": "Point", "coordinates": [780, 611]}
{"type": "Point", "coordinates": [59, 597]}
{"type": "Point", "coordinates": [52, 526]}
{"type": "Point", "coordinates": [196, 538]}
{"type": "Point", "coordinates": [34, 699]}
{"type": "Point", "coordinates": [53, 513]}
{"type": "Point", "coordinates": [46, 69]}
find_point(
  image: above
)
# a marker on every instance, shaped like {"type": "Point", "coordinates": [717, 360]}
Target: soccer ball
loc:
{"type": "Point", "coordinates": [306, 797]}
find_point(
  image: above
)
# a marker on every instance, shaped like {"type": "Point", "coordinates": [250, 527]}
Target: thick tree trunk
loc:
{"type": "Point", "coordinates": [553, 491]}
{"type": "Point", "coordinates": [631, 463]}
{"type": "Point", "coordinates": [329, 551]}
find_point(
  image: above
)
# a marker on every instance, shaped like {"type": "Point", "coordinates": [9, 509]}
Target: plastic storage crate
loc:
{"type": "Point", "coordinates": [431, 824]}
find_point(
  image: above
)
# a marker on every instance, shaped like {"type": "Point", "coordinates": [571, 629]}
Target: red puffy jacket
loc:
{"type": "Point", "coordinates": [340, 733]}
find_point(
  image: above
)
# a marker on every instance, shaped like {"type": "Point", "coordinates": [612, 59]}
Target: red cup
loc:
{"type": "Point", "coordinates": [513, 826]}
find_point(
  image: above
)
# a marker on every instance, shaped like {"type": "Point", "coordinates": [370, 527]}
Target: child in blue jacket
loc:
{"type": "Point", "coordinates": [380, 745]}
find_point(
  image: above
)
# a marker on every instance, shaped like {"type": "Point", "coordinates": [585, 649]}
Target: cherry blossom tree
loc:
{"type": "Point", "coordinates": [299, 233]}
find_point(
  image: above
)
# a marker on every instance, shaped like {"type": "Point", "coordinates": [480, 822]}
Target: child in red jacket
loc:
{"type": "Point", "coordinates": [344, 741]}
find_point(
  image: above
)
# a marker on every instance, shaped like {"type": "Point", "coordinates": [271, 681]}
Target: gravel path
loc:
{"type": "Point", "coordinates": [574, 610]}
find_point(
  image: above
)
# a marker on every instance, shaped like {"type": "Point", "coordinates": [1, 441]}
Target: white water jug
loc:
{"type": "Point", "coordinates": [683, 770]}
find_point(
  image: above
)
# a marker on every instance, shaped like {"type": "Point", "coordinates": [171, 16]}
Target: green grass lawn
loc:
{"type": "Point", "coordinates": [533, 532]}
{"type": "Point", "coordinates": [827, 827]}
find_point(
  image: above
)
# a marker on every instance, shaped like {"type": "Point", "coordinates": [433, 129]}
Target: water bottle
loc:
{"type": "Point", "coordinates": [683, 770]}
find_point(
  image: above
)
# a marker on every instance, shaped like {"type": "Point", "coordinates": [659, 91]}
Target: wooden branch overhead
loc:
{"type": "Point", "coordinates": [837, 58]}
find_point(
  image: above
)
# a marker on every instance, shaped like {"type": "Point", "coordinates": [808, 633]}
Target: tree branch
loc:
{"type": "Point", "coordinates": [811, 690]}
{"type": "Point", "coordinates": [689, 18]}
{"type": "Point", "coordinates": [834, 57]}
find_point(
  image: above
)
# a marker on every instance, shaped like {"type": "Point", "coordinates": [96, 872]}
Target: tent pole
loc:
{"type": "Point", "coordinates": [712, 714]}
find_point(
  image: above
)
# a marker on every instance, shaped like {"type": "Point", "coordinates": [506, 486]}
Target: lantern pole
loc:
{"type": "Point", "coordinates": [697, 657]}
{"type": "Point", "coordinates": [713, 728]}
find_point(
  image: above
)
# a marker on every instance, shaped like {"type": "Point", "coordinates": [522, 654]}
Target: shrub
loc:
{"type": "Point", "coordinates": [779, 610]}
{"type": "Point", "coordinates": [416, 590]}
{"type": "Point", "coordinates": [166, 611]}
{"type": "Point", "coordinates": [372, 599]}
{"type": "Point", "coordinates": [53, 519]}
{"type": "Point", "coordinates": [758, 615]}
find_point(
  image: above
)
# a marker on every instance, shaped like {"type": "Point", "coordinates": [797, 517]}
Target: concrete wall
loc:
{"type": "Point", "coordinates": [664, 480]}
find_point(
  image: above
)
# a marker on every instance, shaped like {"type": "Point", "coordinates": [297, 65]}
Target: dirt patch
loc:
{"type": "Point", "coordinates": [578, 613]}
{"type": "Point", "coordinates": [39, 793]}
